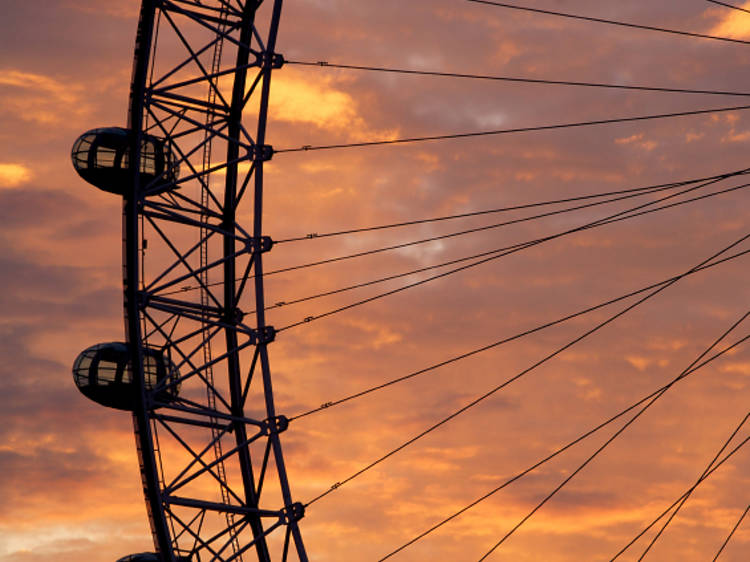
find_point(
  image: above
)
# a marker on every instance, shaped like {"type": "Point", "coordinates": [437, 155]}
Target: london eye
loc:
{"type": "Point", "coordinates": [195, 370]}
{"type": "Point", "coordinates": [188, 364]}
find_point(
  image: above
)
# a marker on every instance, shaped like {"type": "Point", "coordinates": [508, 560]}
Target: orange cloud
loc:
{"type": "Point", "coordinates": [127, 10]}
{"type": "Point", "coordinates": [39, 98]}
{"type": "Point", "coordinates": [637, 140]}
{"type": "Point", "coordinates": [13, 175]}
{"type": "Point", "coordinates": [733, 23]}
{"type": "Point", "coordinates": [320, 103]}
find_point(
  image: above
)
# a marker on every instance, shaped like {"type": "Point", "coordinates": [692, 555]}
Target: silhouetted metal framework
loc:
{"type": "Point", "coordinates": [194, 372]}
{"type": "Point", "coordinates": [211, 460]}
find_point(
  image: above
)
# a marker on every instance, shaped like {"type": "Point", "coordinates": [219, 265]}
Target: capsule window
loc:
{"type": "Point", "coordinates": [81, 152]}
{"type": "Point", "coordinates": [151, 371]}
{"type": "Point", "coordinates": [148, 158]}
{"type": "Point", "coordinates": [106, 373]}
{"type": "Point", "coordinates": [105, 157]}
{"type": "Point", "coordinates": [82, 367]}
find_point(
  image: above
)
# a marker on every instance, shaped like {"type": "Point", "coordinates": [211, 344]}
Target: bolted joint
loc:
{"type": "Point", "coordinates": [275, 425]}
{"type": "Point", "coordinates": [261, 244]}
{"type": "Point", "coordinates": [263, 336]}
{"type": "Point", "coordinates": [269, 60]}
{"type": "Point", "coordinates": [233, 316]}
{"type": "Point", "coordinates": [292, 513]}
{"type": "Point", "coordinates": [149, 403]}
{"type": "Point", "coordinates": [262, 152]}
{"type": "Point", "coordinates": [142, 299]}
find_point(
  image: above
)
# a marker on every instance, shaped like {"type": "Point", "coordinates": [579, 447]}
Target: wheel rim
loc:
{"type": "Point", "coordinates": [186, 519]}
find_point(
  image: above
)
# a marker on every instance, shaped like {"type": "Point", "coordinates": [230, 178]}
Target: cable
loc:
{"type": "Point", "coordinates": [477, 229]}
{"type": "Point", "coordinates": [596, 453]}
{"type": "Point", "coordinates": [326, 64]}
{"type": "Point", "coordinates": [309, 147]}
{"type": "Point", "coordinates": [732, 6]}
{"type": "Point", "coordinates": [503, 341]}
{"type": "Point", "coordinates": [548, 357]}
{"type": "Point", "coordinates": [731, 533]}
{"type": "Point", "coordinates": [610, 22]}
{"type": "Point", "coordinates": [577, 440]}
{"type": "Point", "coordinates": [721, 462]}
{"type": "Point", "coordinates": [677, 503]}
{"type": "Point", "coordinates": [494, 255]}
{"type": "Point", "coordinates": [623, 215]}
{"type": "Point", "coordinates": [679, 506]}
{"type": "Point", "coordinates": [675, 507]}
{"type": "Point", "coordinates": [374, 282]}
{"type": "Point", "coordinates": [648, 189]}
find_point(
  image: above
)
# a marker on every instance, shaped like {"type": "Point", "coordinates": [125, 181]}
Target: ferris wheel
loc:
{"type": "Point", "coordinates": [194, 369]}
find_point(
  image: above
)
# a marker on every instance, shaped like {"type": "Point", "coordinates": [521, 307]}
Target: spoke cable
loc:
{"type": "Point", "coordinates": [390, 278]}
{"type": "Point", "coordinates": [580, 438]}
{"type": "Point", "coordinates": [677, 505]}
{"type": "Point", "coordinates": [682, 498]}
{"type": "Point", "coordinates": [542, 361]}
{"type": "Point", "coordinates": [486, 227]}
{"type": "Point", "coordinates": [405, 140]}
{"type": "Point", "coordinates": [608, 442]}
{"type": "Point", "coordinates": [610, 22]}
{"type": "Point", "coordinates": [727, 5]}
{"type": "Point", "coordinates": [621, 216]}
{"type": "Point", "coordinates": [519, 335]}
{"type": "Point", "coordinates": [647, 189]}
{"type": "Point", "coordinates": [517, 79]}
{"type": "Point", "coordinates": [483, 228]}
{"type": "Point", "coordinates": [714, 469]}
{"type": "Point", "coordinates": [731, 533]}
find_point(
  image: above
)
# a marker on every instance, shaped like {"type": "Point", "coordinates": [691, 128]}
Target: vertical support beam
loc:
{"type": "Point", "coordinates": [230, 275]}
{"type": "Point", "coordinates": [259, 288]}
{"type": "Point", "coordinates": [132, 213]}
{"type": "Point", "coordinates": [131, 283]}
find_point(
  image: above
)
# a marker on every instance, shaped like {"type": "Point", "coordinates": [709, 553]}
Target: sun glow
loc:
{"type": "Point", "coordinates": [734, 23]}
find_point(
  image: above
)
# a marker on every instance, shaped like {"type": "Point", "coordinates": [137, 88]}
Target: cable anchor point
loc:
{"type": "Point", "coordinates": [292, 513]}
{"type": "Point", "coordinates": [275, 425]}
{"type": "Point", "coordinates": [273, 61]}
{"type": "Point", "coordinates": [262, 153]}
{"type": "Point", "coordinates": [264, 335]}
{"type": "Point", "coordinates": [259, 244]}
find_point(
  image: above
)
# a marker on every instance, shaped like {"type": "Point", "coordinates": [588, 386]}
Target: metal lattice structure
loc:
{"type": "Point", "coordinates": [211, 460]}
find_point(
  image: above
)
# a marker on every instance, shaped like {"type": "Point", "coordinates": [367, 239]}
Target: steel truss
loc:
{"type": "Point", "coordinates": [210, 456]}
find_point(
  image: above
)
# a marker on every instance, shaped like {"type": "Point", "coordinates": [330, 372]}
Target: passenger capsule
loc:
{"type": "Point", "coordinates": [151, 557]}
{"type": "Point", "coordinates": [102, 156]}
{"type": "Point", "coordinates": [102, 373]}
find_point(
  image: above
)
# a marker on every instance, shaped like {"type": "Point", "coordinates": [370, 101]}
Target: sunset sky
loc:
{"type": "Point", "coordinates": [70, 487]}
